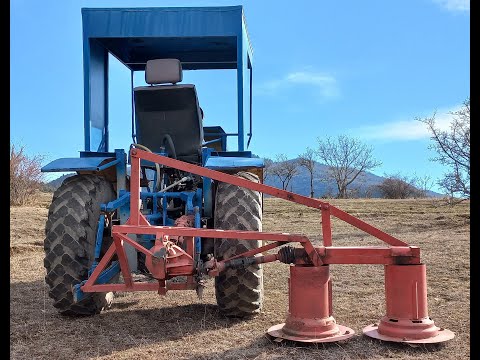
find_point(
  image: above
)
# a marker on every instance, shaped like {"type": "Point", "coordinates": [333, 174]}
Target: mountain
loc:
{"type": "Point", "coordinates": [55, 183]}
{"type": "Point", "coordinates": [300, 183]}
{"type": "Point", "coordinates": [364, 186]}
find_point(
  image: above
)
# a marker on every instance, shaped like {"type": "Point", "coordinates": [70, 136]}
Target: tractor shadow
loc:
{"type": "Point", "coordinates": [36, 328]}
{"type": "Point", "coordinates": [37, 331]}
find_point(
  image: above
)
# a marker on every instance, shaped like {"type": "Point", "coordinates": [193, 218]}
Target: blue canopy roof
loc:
{"type": "Point", "coordinates": [200, 37]}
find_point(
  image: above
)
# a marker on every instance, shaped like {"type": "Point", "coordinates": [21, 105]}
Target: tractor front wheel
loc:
{"type": "Point", "coordinates": [70, 241]}
{"type": "Point", "coordinates": [239, 292]}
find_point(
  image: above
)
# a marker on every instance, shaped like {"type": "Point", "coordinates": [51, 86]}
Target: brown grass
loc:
{"type": "Point", "coordinates": [179, 326]}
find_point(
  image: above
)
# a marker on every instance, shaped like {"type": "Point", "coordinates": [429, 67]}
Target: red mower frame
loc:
{"type": "Point", "coordinates": [310, 312]}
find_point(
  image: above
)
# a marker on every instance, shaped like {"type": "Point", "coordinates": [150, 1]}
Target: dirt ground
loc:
{"type": "Point", "coordinates": [144, 325]}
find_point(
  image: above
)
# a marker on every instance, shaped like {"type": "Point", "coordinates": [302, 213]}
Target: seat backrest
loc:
{"type": "Point", "coordinates": [173, 110]}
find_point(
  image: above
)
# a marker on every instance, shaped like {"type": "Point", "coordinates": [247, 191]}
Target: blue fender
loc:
{"type": "Point", "coordinates": [81, 164]}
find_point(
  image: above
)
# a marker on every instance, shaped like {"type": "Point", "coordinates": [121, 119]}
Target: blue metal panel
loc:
{"type": "Point", "coordinates": [200, 37]}
{"type": "Point", "coordinates": [84, 154]}
{"type": "Point", "coordinates": [207, 197]}
{"type": "Point", "coordinates": [250, 132]}
{"type": "Point", "coordinates": [124, 199]}
{"type": "Point", "coordinates": [121, 170]}
{"type": "Point", "coordinates": [243, 154]}
{"type": "Point", "coordinates": [95, 77]}
{"type": "Point", "coordinates": [207, 186]}
{"type": "Point", "coordinates": [78, 164]}
{"type": "Point", "coordinates": [162, 21]}
{"type": "Point", "coordinates": [244, 55]}
{"type": "Point", "coordinates": [198, 240]}
{"type": "Point", "coordinates": [230, 162]}
{"type": "Point", "coordinates": [99, 238]}
{"type": "Point", "coordinates": [240, 90]}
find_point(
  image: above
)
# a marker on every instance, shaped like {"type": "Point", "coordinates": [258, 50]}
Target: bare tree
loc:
{"type": "Point", "coordinates": [307, 160]}
{"type": "Point", "coordinates": [284, 169]}
{"type": "Point", "coordinates": [347, 159]}
{"type": "Point", "coordinates": [267, 170]}
{"type": "Point", "coordinates": [369, 191]}
{"type": "Point", "coordinates": [397, 186]}
{"type": "Point", "coordinates": [453, 150]}
{"type": "Point", "coordinates": [423, 184]}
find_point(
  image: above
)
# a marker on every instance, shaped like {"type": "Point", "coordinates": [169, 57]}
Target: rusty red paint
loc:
{"type": "Point", "coordinates": [157, 262]}
{"type": "Point", "coordinates": [136, 286]}
{"type": "Point", "coordinates": [183, 221]}
{"type": "Point", "coordinates": [178, 261]}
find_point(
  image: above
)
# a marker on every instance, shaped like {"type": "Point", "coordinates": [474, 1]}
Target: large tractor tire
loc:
{"type": "Point", "coordinates": [239, 292]}
{"type": "Point", "coordinates": [70, 241]}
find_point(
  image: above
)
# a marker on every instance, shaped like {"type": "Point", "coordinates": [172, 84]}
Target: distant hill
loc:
{"type": "Point", "coordinates": [364, 186]}
{"type": "Point", "coordinates": [55, 184]}
{"type": "Point", "coordinates": [300, 183]}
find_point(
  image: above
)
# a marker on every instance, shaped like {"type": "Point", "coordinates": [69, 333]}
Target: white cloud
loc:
{"type": "Point", "coordinates": [269, 87]}
{"type": "Point", "coordinates": [454, 5]}
{"type": "Point", "coordinates": [405, 129]}
{"type": "Point", "coordinates": [323, 83]}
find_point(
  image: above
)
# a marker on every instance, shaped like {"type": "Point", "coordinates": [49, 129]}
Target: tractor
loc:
{"type": "Point", "coordinates": [180, 207]}
{"type": "Point", "coordinates": [167, 119]}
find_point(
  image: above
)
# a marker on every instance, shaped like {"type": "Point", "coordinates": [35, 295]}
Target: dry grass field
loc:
{"type": "Point", "coordinates": [144, 325]}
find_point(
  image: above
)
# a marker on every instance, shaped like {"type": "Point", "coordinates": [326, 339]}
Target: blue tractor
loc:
{"type": "Point", "coordinates": [167, 119]}
{"type": "Point", "coordinates": [179, 207]}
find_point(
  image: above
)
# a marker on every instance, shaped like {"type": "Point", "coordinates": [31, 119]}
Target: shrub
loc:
{"type": "Point", "coordinates": [25, 175]}
{"type": "Point", "coordinates": [398, 187]}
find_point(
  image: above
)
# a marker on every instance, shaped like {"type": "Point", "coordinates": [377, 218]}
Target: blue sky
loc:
{"type": "Point", "coordinates": [322, 68]}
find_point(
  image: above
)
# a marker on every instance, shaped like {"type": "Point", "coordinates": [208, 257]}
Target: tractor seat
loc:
{"type": "Point", "coordinates": [172, 110]}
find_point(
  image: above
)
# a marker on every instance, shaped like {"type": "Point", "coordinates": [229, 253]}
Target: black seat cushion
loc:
{"type": "Point", "coordinates": [172, 110]}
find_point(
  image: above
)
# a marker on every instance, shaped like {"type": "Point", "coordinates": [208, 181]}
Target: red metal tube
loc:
{"type": "Point", "coordinates": [406, 291]}
{"type": "Point", "coordinates": [208, 233]}
{"type": "Point", "coordinates": [122, 258]}
{"type": "Point", "coordinates": [134, 191]}
{"type": "Point", "coordinates": [326, 225]}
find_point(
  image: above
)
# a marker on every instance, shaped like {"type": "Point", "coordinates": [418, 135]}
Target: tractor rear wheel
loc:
{"type": "Point", "coordinates": [239, 292]}
{"type": "Point", "coordinates": [70, 231]}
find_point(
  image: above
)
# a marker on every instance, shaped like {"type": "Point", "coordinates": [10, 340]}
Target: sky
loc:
{"type": "Point", "coordinates": [365, 69]}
